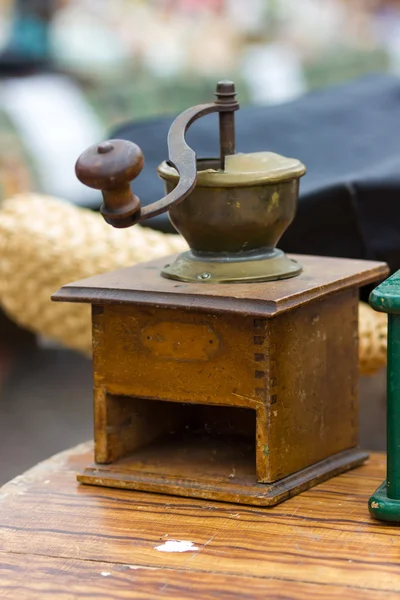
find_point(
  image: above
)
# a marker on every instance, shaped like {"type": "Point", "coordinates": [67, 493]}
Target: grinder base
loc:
{"type": "Point", "coordinates": [162, 469]}
{"type": "Point", "coordinates": [269, 266]}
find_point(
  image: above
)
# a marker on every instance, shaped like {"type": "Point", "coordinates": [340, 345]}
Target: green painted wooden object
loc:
{"type": "Point", "coordinates": [385, 503]}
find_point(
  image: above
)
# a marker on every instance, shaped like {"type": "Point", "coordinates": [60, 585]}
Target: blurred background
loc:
{"type": "Point", "coordinates": [109, 62]}
{"type": "Point", "coordinates": [71, 71]}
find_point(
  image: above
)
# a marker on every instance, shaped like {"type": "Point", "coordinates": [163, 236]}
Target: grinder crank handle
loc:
{"type": "Point", "coordinates": [112, 165]}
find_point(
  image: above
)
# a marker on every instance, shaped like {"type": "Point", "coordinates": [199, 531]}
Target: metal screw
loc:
{"type": "Point", "coordinates": [204, 276]}
{"type": "Point", "coordinates": [105, 147]}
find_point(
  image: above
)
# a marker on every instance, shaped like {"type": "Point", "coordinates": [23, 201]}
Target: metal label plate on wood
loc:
{"type": "Point", "coordinates": [180, 341]}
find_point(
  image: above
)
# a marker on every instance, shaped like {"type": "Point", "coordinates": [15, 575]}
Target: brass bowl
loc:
{"type": "Point", "coordinates": [231, 217]}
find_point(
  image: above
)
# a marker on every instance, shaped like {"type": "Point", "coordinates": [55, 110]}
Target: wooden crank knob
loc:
{"type": "Point", "coordinates": [110, 167]}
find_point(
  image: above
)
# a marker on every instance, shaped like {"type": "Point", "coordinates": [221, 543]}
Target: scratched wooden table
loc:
{"type": "Point", "coordinates": [65, 541]}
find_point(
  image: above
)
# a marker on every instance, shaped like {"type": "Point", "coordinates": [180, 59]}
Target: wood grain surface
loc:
{"type": "Point", "coordinates": [62, 540]}
{"type": "Point", "coordinates": [161, 374]}
{"type": "Point", "coordinates": [138, 284]}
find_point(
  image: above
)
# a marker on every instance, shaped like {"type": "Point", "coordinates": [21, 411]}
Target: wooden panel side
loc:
{"type": "Point", "coordinates": [180, 356]}
{"type": "Point", "coordinates": [122, 424]}
{"type": "Point", "coordinates": [314, 379]}
{"type": "Point", "coordinates": [130, 424]}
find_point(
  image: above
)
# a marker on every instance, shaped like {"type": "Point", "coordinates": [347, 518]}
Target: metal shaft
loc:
{"type": "Point", "coordinates": [226, 93]}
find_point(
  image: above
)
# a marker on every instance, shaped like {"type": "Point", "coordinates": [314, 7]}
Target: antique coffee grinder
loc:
{"type": "Point", "coordinates": [229, 372]}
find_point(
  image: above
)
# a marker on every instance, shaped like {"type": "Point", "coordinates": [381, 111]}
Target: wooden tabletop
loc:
{"type": "Point", "coordinates": [62, 540]}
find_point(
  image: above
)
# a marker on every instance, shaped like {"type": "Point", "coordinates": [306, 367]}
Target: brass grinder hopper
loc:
{"type": "Point", "coordinates": [232, 210]}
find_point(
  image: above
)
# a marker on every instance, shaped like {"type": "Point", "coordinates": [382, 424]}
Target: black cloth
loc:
{"type": "Point", "coordinates": [349, 139]}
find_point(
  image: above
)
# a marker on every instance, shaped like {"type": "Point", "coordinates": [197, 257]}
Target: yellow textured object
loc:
{"type": "Point", "coordinates": [372, 339]}
{"type": "Point", "coordinates": [46, 243]}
